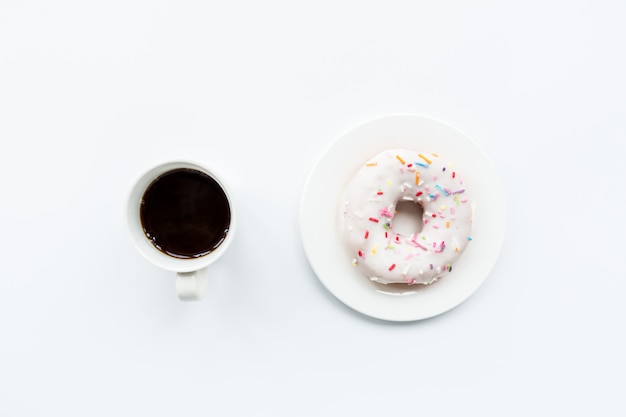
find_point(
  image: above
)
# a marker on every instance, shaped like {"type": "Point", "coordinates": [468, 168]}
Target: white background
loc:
{"type": "Point", "coordinates": [94, 93]}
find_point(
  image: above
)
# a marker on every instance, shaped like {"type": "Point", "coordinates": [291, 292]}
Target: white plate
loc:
{"type": "Point", "coordinates": [319, 218]}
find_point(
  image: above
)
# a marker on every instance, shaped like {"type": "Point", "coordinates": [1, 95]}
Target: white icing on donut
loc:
{"type": "Point", "coordinates": [368, 209]}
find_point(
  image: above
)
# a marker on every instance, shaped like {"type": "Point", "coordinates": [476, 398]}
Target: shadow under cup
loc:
{"type": "Point", "coordinates": [180, 216]}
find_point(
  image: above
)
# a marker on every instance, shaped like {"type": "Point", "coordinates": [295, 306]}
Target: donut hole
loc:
{"type": "Point", "coordinates": [408, 218]}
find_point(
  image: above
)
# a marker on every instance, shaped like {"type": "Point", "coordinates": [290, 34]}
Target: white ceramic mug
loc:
{"type": "Point", "coordinates": [191, 273]}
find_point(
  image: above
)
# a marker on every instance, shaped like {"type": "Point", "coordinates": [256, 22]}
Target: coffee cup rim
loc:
{"type": "Point", "coordinates": [135, 229]}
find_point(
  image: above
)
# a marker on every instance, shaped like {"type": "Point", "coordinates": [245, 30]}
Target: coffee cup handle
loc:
{"type": "Point", "coordinates": [192, 286]}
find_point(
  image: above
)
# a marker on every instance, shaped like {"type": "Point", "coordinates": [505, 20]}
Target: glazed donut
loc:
{"type": "Point", "coordinates": [369, 205]}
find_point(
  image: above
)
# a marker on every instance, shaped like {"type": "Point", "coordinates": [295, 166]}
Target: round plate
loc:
{"type": "Point", "coordinates": [319, 218]}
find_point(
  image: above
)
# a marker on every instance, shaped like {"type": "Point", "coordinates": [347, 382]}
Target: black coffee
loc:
{"type": "Point", "coordinates": [185, 213]}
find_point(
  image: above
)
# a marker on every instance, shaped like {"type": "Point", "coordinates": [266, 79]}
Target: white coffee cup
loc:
{"type": "Point", "coordinates": [191, 273]}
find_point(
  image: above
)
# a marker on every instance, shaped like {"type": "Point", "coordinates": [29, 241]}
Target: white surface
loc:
{"type": "Point", "coordinates": [321, 205]}
{"type": "Point", "coordinates": [94, 93]}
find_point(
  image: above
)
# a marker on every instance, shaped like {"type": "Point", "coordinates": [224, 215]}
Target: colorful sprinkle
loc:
{"type": "Point", "coordinates": [392, 267]}
{"type": "Point", "coordinates": [374, 219]}
{"type": "Point", "coordinates": [417, 178]}
{"type": "Point", "coordinates": [469, 238]}
{"type": "Point", "coordinates": [400, 159]}
{"type": "Point", "coordinates": [447, 225]}
{"type": "Point", "coordinates": [367, 234]}
{"type": "Point", "coordinates": [428, 161]}
{"type": "Point", "coordinates": [421, 164]}
{"type": "Point", "coordinates": [443, 190]}
{"type": "Point", "coordinates": [441, 247]}
{"type": "Point", "coordinates": [371, 164]}
{"type": "Point", "coordinates": [374, 250]}
{"type": "Point", "coordinates": [385, 212]}
{"type": "Point", "coordinates": [360, 253]}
